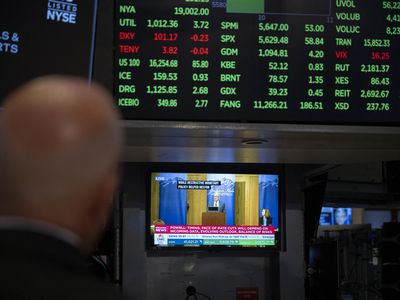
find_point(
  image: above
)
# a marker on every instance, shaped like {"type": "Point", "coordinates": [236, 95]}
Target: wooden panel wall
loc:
{"type": "Point", "coordinates": [197, 201]}
{"type": "Point", "coordinates": [246, 200]}
{"type": "Point", "coordinates": [155, 198]}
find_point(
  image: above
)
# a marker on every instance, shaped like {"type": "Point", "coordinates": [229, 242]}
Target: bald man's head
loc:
{"type": "Point", "coordinates": [59, 148]}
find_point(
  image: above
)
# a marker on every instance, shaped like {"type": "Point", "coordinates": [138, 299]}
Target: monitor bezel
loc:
{"type": "Point", "coordinates": [218, 168]}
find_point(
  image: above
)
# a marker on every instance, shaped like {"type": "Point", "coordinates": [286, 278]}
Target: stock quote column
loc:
{"type": "Point", "coordinates": [128, 57]}
{"type": "Point", "coordinates": [314, 61]}
{"type": "Point", "coordinates": [273, 53]}
{"type": "Point", "coordinates": [162, 56]}
{"type": "Point", "coordinates": [377, 70]}
{"type": "Point", "coordinates": [347, 30]}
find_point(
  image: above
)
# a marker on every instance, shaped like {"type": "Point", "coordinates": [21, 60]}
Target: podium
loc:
{"type": "Point", "coordinates": [213, 218]}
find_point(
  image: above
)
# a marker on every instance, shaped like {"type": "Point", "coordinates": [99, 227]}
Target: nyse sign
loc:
{"type": "Point", "coordinates": [64, 11]}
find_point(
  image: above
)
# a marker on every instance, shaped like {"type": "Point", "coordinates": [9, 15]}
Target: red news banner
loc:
{"type": "Point", "coordinates": [226, 230]}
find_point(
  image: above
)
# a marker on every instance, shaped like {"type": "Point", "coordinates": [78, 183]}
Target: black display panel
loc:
{"type": "Point", "coordinates": [182, 213]}
{"type": "Point", "coordinates": [44, 37]}
{"type": "Point", "coordinates": [293, 61]}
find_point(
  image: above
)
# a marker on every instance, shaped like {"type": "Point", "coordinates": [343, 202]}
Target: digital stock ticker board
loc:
{"type": "Point", "coordinates": [293, 61]}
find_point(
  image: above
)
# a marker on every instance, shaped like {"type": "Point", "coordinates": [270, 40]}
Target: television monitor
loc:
{"type": "Point", "coordinates": [336, 216]}
{"type": "Point", "coordinates": [207, 210]}
{"type": "Point", "coordinates": [288, 61]}
{"type": "Point", "coordinates": [45, 37]}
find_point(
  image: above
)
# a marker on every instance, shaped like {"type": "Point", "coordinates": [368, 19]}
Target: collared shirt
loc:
{"type": "Point", "coordinates": [40, 227]}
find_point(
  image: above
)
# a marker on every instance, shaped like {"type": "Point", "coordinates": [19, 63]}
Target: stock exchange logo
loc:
{"type": "Point", "coordinates": [64, 11]}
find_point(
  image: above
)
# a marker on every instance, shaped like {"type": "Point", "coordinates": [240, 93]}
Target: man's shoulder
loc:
{"type": "Point", "coordinates": [46, 268]}
{"type": "Point", "coordinates": [47, 280]}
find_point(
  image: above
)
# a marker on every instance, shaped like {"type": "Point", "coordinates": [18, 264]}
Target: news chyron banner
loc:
{"type": "Point", "coordinates": [44, 37]}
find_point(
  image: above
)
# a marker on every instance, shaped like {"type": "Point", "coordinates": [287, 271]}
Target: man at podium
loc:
{"type": "Point", "coordinates": [216, 204]}
{"type": "Point", "coordinates": [215, 214]}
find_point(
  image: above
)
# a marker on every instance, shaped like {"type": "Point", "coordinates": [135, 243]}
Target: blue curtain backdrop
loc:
{"type": "Point", "coordinates": [269, 196]}
{"type": "Point", "coordinates": [172, 201]}
{"type": "Point", "coordinates": [226, 192]}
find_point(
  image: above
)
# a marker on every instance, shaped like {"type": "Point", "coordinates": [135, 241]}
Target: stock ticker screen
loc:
{"type": "Point", "coordinates": [45, 37]}
{"type": "Point", "coordinates": [307, 61]}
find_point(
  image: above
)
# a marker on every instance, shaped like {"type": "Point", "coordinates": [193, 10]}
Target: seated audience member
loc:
{"type": "Point", "coordinates": [59, 150]}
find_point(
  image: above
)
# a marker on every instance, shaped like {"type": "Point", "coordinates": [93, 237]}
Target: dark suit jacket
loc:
{"type": "Point", "coordinates": [39, 267]}
{"type": "Point", "coordinates": [269, 221]}
{"type": "Point", "coordinates": [221, 207]}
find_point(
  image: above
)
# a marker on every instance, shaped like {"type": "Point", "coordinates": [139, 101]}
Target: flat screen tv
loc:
{"type": "Point", "coordinates": [336, 216]}
{"type": "Point", "coordinates": [215, 210]}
